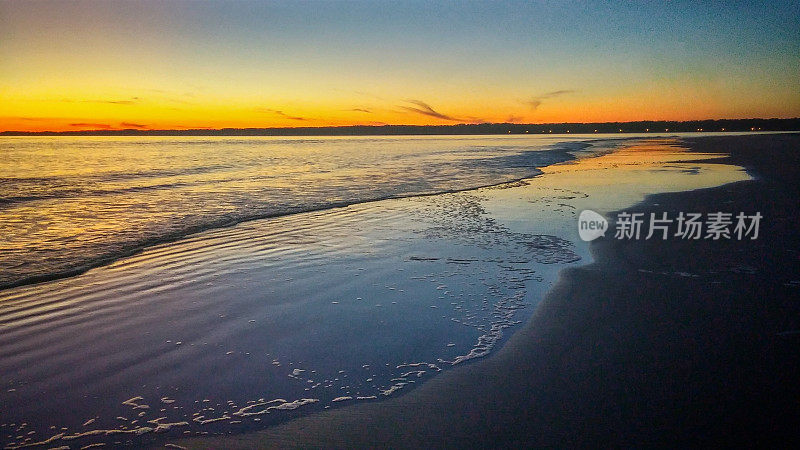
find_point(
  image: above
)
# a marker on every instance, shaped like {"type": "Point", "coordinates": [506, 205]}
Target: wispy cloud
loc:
{"type": "Point", "coordinates": [536, 101]}
{"type": "Point", "coordinates": [425, 109]}
{"type": "Point", "coordinates": [96, 126]}
{"type": "Point", "coordinates": [363, 110]}
{"type": "Point", "coordinates": [133, 125]}
{"type": "Point", "coordinates": [30, 119]}
{"type": "Point", "coordinates": [130, 101]}
{"type": "Point", "coordinates": [278, 112]}
{"type": "Point", "coordinates": [121, 102]}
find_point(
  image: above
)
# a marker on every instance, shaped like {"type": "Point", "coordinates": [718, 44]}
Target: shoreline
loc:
{"type": "Point", "coordinates": [595, 365]}
{"type": "Point", "coordinates": [238, 304]}
{"type": "Point", "coordinates": [244, 299]}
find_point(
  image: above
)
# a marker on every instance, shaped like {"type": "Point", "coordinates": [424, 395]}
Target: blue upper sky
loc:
{"type": "Point", "coordinates": [337, 62]}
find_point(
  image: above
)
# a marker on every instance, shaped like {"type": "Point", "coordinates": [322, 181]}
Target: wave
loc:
{"type": "Point", "coordinates": [503, 166]}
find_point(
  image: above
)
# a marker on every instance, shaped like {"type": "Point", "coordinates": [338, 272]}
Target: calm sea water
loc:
{"type": "Point", "coordinates": [235, 329]}
{"type": "Point", "coordinates": [69, 203]}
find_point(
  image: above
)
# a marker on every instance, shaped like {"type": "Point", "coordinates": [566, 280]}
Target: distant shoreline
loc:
{"type": "Point", "coordinates": [711, 125]}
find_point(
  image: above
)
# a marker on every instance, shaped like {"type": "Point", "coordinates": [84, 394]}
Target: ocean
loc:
{"type": "Point", "coordinates": [71, 203]}
{"type": "Point", "coordinates": [225, 285]}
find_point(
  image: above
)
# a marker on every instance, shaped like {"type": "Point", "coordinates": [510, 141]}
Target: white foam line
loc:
{"type": "Point", "coordinates": [133, 402]}
{"type": "Point", "coordinates": [281, 405]}
{"type": "Point", "coordinates": [44, 442]}
{"type": "Point", "coordinates": [202, 420]}
{"type": "Point", "coordinates": [393, 388]}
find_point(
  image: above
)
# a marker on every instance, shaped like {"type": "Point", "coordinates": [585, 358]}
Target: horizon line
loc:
{"type": "Point", "coordinates": [699, 125]}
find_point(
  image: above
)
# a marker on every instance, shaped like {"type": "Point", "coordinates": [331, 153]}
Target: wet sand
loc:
{"type": "Point", "coordinates": [654, 343]}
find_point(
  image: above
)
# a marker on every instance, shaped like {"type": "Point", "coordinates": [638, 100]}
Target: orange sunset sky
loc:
{"type": "Point", "coordinates": [176, 65]}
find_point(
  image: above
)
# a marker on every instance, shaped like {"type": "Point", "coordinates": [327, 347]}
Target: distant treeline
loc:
{"type": "Point", "coordinates": [724, 125]}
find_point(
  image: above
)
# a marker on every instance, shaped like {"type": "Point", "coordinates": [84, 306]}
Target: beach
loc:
{"type": "Point", "coordinates": [655, 343]}
{"type": "Point", "coordinates": [378, 224]}
{"type": "Point", "coordinates": [468, 318]}
{"type": "Point", "coordinates": [243, 326]}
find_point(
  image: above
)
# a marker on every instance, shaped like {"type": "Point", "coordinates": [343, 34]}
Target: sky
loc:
{"type": "Point", "coordinates": [77, 65]}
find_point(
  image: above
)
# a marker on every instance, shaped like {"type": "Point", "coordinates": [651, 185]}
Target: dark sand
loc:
{"type": "Point", "coordinates": [629, 350]}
